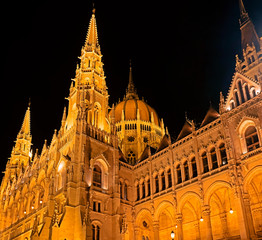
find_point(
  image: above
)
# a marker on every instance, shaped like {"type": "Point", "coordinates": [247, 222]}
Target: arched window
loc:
{"type": "Point", "coordinates": [148, 188]}
{"type": "Point", "coordinates": [186, 172]}
{"type": "Point", "coordinates": [247, 92]}
{"type": "Point", "coordinates": [169, 178]}
{"type": "Point", "coordinates": [241, 92]}
{"type": "Point", "coordinates": [178, 173]}
{"type": "Point", "coordinates": [194, 167]}
{"type": "Point", "coordinates": [205, 162]}
{"type": "Point", "coordinates": [163, 180]}
{"type": "Point", "coordinates": [137, 192]}
{"type": "Point", "coordinates": [156, 184]}
{"type": "Point", "coordinates": [251, 138]}
{"type": "Point", "coordinates": [121, 190]}
{"type": "Point", "coordinates": [214, 158]}
{"type": "Point", "coordinates": [223, 154]}
{"type": "Point", "coordinates": [97, 176]}
{"type": "Point", "coordinates": [237, 99]}
{"type": "Point", "coordinates": [95, 232]}
{"type": "Point", "coordinates": [125, 191]}
{"type": "Point", "coordinates": [143, 190]}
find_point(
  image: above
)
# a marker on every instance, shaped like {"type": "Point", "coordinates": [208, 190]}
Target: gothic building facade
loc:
{"type": "Point", "coordinates": [114, 173]}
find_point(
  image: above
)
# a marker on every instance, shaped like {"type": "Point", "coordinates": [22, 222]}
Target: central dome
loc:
{"type": "Point", "coordinates": [134, 109]}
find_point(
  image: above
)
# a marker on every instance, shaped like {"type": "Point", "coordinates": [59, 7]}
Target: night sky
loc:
{"type": "Point", "coordinates": [183, 55]}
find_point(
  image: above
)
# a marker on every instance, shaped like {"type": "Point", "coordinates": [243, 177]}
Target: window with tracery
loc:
{"type": "Point", "coordinates": [251, 137]}
{"type": "Point", "coordinates": [205, 162]}
{"type": "Point", "coordinates": [163, 181]}
{"type": "Point", "coordinates": [223, 154]}
{"type": "Point", "coordinates": [178, 173]}
{"type": "Point", "coordinates": [156, 184]}
{"type": "Point", "coordinates": [131, 157]}
{"type": "Point", "coordinates": [95, 232]}
{"type": "Point", "coordinates": [169, 178]}
{"type": "Point", "coordinates": [214, 158]}
{"type": "Point", "coordinates": [194, 167]}
{"type": "Point", "coordinates": [97, 176]}
{"type": "Point", "coordinates": [186, 172]}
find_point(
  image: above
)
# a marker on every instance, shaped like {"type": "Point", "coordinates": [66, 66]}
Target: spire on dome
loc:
{"type": "Point", "coordinates": [91, 43]}
{"type": "Point", "coordinates": [131, 91]}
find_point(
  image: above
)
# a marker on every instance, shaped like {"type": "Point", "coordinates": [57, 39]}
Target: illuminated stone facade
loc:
{"type": "Point", "coordinates": [86, 185]}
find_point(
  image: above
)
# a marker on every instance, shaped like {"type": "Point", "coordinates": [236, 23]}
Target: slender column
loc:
{"type": "Point", "coordinates": [207, 222]}
{"type": "Point", "coordinates": [179, 227]}
{"type": "Point", "coordinates": [156, 230]}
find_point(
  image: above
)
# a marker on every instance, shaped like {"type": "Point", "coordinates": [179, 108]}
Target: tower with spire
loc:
{"type": "Point", "coordinates": [251, 46]}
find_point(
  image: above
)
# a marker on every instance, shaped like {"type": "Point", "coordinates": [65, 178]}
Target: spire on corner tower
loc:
{"type": "Point", "coordinates": [25, 129]}
{"type": "Point", "coordinates": [91, 43]}
{"type": "Point", "coordinates": [249, 35]}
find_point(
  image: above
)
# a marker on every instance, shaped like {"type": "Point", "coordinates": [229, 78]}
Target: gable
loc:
{"type": "Point", "coordinates": [242, 88]}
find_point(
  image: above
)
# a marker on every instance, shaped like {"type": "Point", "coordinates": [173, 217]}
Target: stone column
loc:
{"type": "Point", "coordinates": [156, 230]}
{"type": "Point", "coordinates": [242, 217]}
{"type": "Point", "coordinates": [179, 226]}
{"type": "Point", "coordinates": [249, 217]}
{"type": "Point", "coordinates": [207, 222]}
{"type": "Point", "coordinates": [197, 229]}
{"type": "Point", "coordinates": [223, 218]}
{"type": "Point", "coordinates": [136, 233]}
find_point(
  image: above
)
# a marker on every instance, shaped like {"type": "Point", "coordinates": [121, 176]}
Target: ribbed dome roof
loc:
{"type": "Point", "coordinates": [132, 103]}
{"type": "Point", "coordinates": [130, 106]}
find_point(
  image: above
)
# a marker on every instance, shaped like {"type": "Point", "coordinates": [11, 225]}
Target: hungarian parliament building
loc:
{"type": "Point", "coordinates": [111, 172]}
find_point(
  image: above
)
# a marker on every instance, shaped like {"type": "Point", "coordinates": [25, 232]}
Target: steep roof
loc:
{"type": "Point", "coordinates": [186, 130]}
{"type": "Point", "coordinates": [211, 115]}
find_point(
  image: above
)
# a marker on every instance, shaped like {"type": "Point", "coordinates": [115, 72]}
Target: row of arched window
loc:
{"type": "Point", "coordinates": [209, 161]}
{"type": "Point", "coordinates": [242, 94]}
{"type": "Point", "coordinates": [187, 170]}
{"type": "Point", "coordinates": [130, 126]}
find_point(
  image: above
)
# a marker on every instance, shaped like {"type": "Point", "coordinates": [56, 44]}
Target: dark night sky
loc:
{"type": "Point", "coordinates": [183, 55]}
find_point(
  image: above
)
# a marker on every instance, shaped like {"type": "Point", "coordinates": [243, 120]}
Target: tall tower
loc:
{"type": "Point", "coordinates": [251, 46]}
{"type": "Point", "coordinates": [88, 95]}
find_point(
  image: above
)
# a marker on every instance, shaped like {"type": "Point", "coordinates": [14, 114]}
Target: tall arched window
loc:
{"type": "Point", "coordinates": [237, 99]}
{"type": "Point", "coordinates": [169, 178]}
{"type": "Point", "coordinates": [205, 162]}
{"type": "Point", "coordinates": [223, 154]}
{"type": "Point", "coordinates": [194, 167]}
{"type": "Point", "coordinates": [95, 232]}
{"type": "Point", "coordinates": [178, 173]}
{"type": "Point", "coordinates": [214, 158]}
{"type": "Point", "coordinates": [186, 172]}
{"type": "Point", "coordinates": [156, 184]}
{"type": "Point", "coordinates": [143, 190]}
{"type": "Point", "coordinates": [247, 92]}
{"type": "Point", "coordinates": [137, 192]}
{"type": "Point", "coordinates": [163, 180]}
{"type": "Point", "coordinates": [148, 188]}
{"type": "Point", "coordinates": [251, 138]}
{"type": "Point", "coordinates": [125, 191]}
{"type": "Point", "coordinates": [121, 190]}
{"type": "Point", "coordinates": [97, 176]}
{"type": "Point", "coordinates": [241, 92]}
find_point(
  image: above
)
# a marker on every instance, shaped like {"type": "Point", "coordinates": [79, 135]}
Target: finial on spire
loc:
{"type": "Point", "coordinates": [29, 103]}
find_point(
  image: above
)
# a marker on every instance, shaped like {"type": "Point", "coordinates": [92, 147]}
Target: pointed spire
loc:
{"type": "Point", "coordinates": [243, 13]}
{"type": "Point", "coordinates": [131, 91]}
{"type": "Point", "coordinates": [91, 43]}
{"type": "Point", "coordinates": [249, 35]}
{"type": "Point", "coordinates": [25, 129]}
